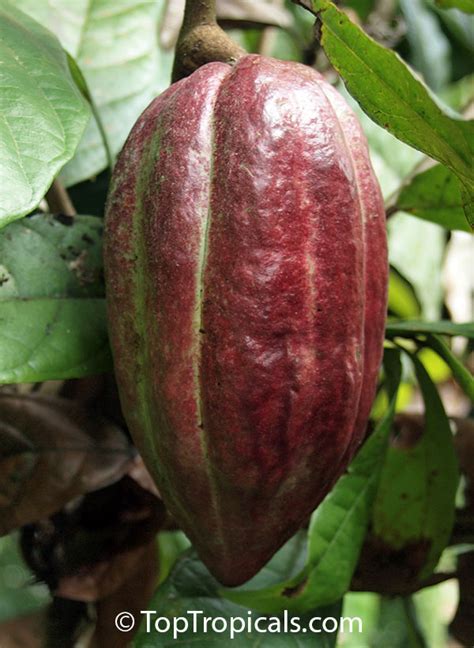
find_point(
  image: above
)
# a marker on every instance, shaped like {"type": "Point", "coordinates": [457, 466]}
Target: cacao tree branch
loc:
{"type": "Point", "coordinates": [201, 40]}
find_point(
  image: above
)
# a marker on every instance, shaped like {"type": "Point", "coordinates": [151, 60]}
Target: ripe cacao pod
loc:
{"type": "Point", "coordinates": [246, 271]}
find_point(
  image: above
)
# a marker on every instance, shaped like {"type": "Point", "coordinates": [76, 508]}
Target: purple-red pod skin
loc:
{"type": "Point", "coordinates": [246, 275]}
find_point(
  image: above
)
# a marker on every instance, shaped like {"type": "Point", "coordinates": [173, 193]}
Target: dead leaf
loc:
{"type": "Point", "coordinates": [86, 552]}
{"type": "Point", "coordinates": [52, 451]}
{"type": "Point", "coordinates": [133, 596]}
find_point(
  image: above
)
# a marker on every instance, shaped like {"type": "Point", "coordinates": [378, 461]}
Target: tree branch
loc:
{"type": "Point", "coordinates": [201, 40]}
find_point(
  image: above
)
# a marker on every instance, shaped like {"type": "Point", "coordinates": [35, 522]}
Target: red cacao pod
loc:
{"type": "Point", "coordinates": [246, 271]}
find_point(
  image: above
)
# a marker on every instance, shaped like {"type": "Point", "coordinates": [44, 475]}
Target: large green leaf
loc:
{"type": "Point", "coordinates": [463, 5]}
{"type": "Point", "coordinates": [52, 306]}
{"type": "Point", "coordinates": [394, 98]}
{"type": "Point", "coordinates": [190, 592]}
{"type": "Point", "coordinates": [116, 47]}
{"type": "Point", "coordinates": [43, 114]}
{"type": "Point", "coordinates": [338, 526]}
{"type": "Point", "coordinates": [434, 195]}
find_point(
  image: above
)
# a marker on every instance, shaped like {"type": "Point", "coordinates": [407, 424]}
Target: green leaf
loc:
{"type": "Point", "coordinates": [52, 306]}
{"type": "Point", "coordinates": [43, 114]}
{"type": "Point", "coordinates": [408, 511]}
{"type": "Point", "coordinates": [190, 590]}
{"type": "Point", "coordinates": [116, 47]}
{"type": "Point", "coordinates": [413, 328]}
{"type": "Point", "coordinates": [460, 373]}
{"type": "Point", "coordinates": [434, 195]}
{"type": "Point", "coordinates": [394, 98]}
{"type": "Point", "coordinates": [464, 5]}
{"type": "Point", "coordinates": [429, 46]}
{"type": "Point", "coordinates": [338, 526]}
{"type": "Point", "coordinates": [442, 476]}
{"type": "Point", "coordinates": [402, 298]}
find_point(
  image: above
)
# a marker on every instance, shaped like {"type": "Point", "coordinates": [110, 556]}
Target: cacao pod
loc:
{"type": "Point", "coordinates": [246, 272]}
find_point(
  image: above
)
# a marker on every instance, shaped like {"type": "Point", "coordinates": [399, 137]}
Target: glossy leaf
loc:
{"type": "Point", "coordinates": [434, 195]}
{"type": "Point", "coordinates": [52, 306]}
{"type": "Point", "coordinates": [190, 587]}
{"type": "Point", "coordinates": [413, 328]}
{"type": "Point", "coordinates": [43, 112]}
{"type": "Point", "coordinates": [338, 526]}
{"type": "Point", "coordinates": [394, 98]}
{"type": "Point", "coordinates": [116, 47]}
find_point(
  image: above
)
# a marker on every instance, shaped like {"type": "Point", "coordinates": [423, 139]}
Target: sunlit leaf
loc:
{"type": "Point", "coordinates": [43, 114]}
{"type": "Point", "coordinates": [116, 47]}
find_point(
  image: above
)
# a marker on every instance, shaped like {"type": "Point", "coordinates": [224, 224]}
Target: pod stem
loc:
{"type": "Point", "coordinates": [201, 40]}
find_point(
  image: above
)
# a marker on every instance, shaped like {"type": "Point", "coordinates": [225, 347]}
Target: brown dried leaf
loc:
{"type": "Point", "coordinates": [133, 596]}
{"type": "Point", "coordinates": [103, 579]}
{"type": "Point", "coordinates": [86, 552]}
{"type": "Point", "coordinates": [51, 451]}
